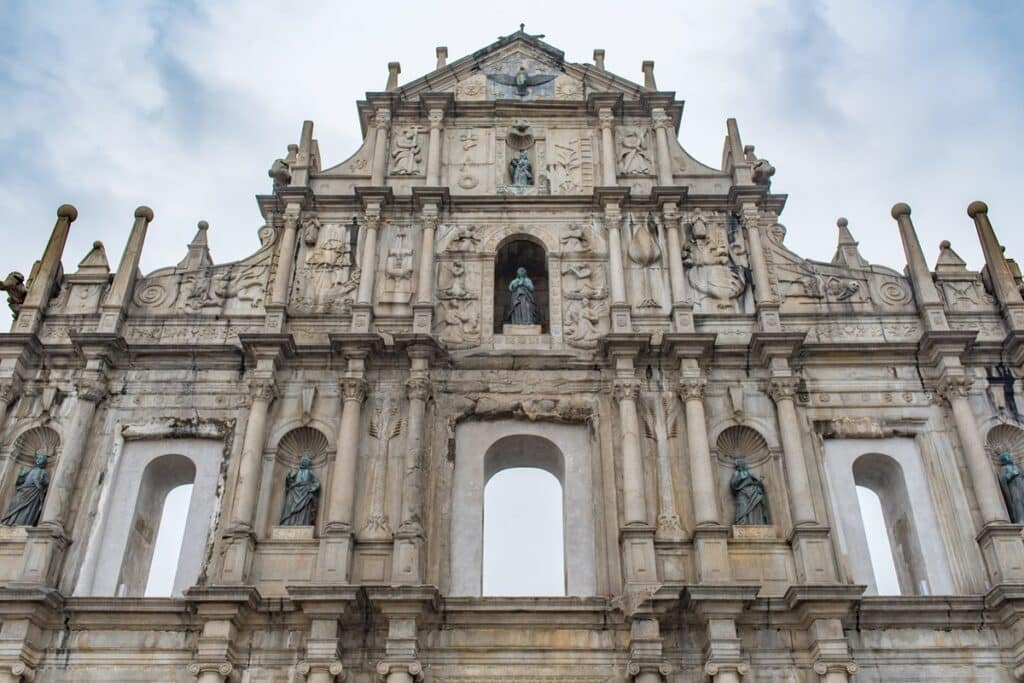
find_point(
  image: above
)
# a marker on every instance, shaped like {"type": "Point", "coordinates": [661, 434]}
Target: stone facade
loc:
{"type": "Point", "coordinates": [678, 334]}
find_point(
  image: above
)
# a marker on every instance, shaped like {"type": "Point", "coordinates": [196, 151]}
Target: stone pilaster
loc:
{"type": "Point", "coordinates": [362, 310]}
{"type": "Point", "coordinates": [222, 612]}
{"type": "Point", "coordinates": [682, 306]}
{"type": "Point", "coordinates": [606, 119]}
{"type": "Point", "coordinates": [765, 302]}
{"type": "Point", "coordinates": [404, 608]}
{"type": "Point", "coordinates": [285, 266]}
{"type": "Point", "coordinates": [820, 611]}
{"type": "Point", "coordinates": [620, 311]}
{"type": "Point", "coordinates": [662, 123]}
{"type": "Point", "coordinates": [324, 606]}
{"type": "Point", "coordinates": [382, 124]}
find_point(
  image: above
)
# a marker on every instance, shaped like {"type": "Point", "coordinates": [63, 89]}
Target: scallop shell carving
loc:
{"type": "Point", "coordinates": [302, 441]}
{"type": "Point", "coordinates": [1004, 438]}
{"type": "Point", "coordinates": [742, 442]}
{"type": "Point", "coordinates": [34, 441]}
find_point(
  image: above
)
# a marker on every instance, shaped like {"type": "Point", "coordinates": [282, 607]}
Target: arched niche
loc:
{"type": "Point", "coordinates": [484, 448]}
{"type": "Point", "coordinates": [893, 470]}
{"type": "Point", "coordinates": [515, 252]}
{"type": "Point", "coordinates": [27, 445]}
{"type": "Point", "coordinates": [141, 475]}
{"type": "Point", "coordinates": [742, 441]}
{"type": "Point", "coordinates": [292, 446]}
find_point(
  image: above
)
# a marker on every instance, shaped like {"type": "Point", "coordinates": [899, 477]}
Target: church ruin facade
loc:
{"type": "Point", "coordinates": [519, 267]}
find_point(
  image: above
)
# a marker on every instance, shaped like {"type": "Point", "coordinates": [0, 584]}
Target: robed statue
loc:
{"type": "Point", "coordinates": [521, 171]}
{"type": "Point", "coordinates": [30, 491]}
{"type": "Point", "coordinates": [751, 498]}
{"type": "Point", "coordinates": [301, 490]}
{"type": "Point", "coordinates": [1011, 481]}
{"type": "Point", "coordinates": [522, 309]}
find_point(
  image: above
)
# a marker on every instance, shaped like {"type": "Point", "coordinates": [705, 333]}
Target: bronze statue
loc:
{"type": "Point", "coordinates": [521, 80]}
{"type": "Point", "coordinates": [302, 489]}
{"type": "Point", "coordinates": [27, 504]}
{"type": "Point", "coordinates": [522, 309]}
{"type": "Point", "coordinates": [522, 172]}
{"type": "Point", "coordinates": [751, 498]}
{"type": "Point", "coordinates": [1011, 482]}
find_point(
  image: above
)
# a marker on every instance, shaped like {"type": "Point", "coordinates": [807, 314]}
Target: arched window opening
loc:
{"type": "Point", "coordinates": [512, 255]}
{"type": "Point", "coordinates": [161, 476]}
{"type": "Point", "coordinates": [882, 561]}
{"type": "Point", "coordinates": [523, 545]}
{"type": "Point", "coordinates": [883, 476]}
{"type": "Point", "coordinates": [167, 547]}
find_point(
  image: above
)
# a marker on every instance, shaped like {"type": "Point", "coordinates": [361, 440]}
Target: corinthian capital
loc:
{"type": "Point", "coordinates": [383, 118]}
{"type": "Point", "coordinates": [605, 118]}
{"type": "Point", "coordinates": [955, 386]}
{"type": "Point", "coordinates": [92, 388]}
{"type": "Point", "coordinates": [9, 390]}
{"type": "Point", "coordinates": [353, 389]}
{"type": "Point", "coordinates": [692, 388]}
{"type": "Point", "coordinates": [263, 388]}
{"type": "Point", "coordinates": [660, 119]}
{"type": "Point", "coordinates": [783, 388]}
{"type": "Point", "coordinates": [626, 389]}
{"type": "Point", "coordinates": [435, 117]}
{"type": "Point", "coordinates": [418, 388]}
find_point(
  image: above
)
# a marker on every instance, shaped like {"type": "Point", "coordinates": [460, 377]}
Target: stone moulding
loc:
{"type": "Point", "coordinates": [174, 428]}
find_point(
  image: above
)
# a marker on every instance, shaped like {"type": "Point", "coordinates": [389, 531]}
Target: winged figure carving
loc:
{"type": "Point", "coordinates": [521, 80]}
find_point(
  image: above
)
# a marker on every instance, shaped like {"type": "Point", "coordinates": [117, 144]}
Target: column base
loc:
{"type": "Point", "coordinates": [273, 323]}
{"type": "Point", "coordinates": [1003, 551]}
{"type": "Point", "coordinates": [711, 547]}
{"type": "Point", "coordinates": [362, 315]}
{"type": "Point", "coordinates": [622, 320]}
{"type": "Point", "coordinates": [334, 557]}
{"type": "Point", "coordinates": [237, 556]}
{"type": "Point", "coordinates": [812, 553]}
{"type": "Point", "coordinates": [406, 563]}
{"type": "Point", "coordinates": [682, 318]}
{"type": "Point", "coordinates": [638, 558]}
{"type": "Point", "coordinates": [43, 556]}
{"type": "Point", "coordinates": [768, 318]}
{"type": "Point", "coordinates": [422, 318]}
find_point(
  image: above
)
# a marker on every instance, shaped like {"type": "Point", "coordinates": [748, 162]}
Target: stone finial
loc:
{"type": "Point", "coordinates": [949, 262]}
{"type": "Point", "coordinates": [198, 251]}
{"type": "Point", "coordinates": [394, 68]}
{"type": "Point", "coordinates": [900, 209]}
{"type": "Point", "coordinates": [67, 211]}
{"type": "Point", "coordinates": [973, 209]}
{"type": "Point", "coordinates": [599, 59]}
{"type": "Point", "coordinates": [144, 212]}
{"type": "Point", "coordinates": [442, 56]}
{"type": "Point", "coordinates": [95, 262]}
{"type": "Point", "coordinates": [847, 253]}
{"type": "Point", "coordinates": [648, 68]}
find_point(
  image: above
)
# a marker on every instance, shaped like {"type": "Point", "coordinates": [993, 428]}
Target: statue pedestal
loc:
{"type": "Point", "coordinates": [291, 533]}
{"type": "Point", "coordinates": [753, 532]}
{"type": "Point", "coordinates": [521, 330]}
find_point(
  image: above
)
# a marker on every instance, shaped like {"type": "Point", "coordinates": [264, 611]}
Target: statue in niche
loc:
{"type": "Point", "coordinates": [301, 490]}
{"type": "Point", "coordinates": [1011, 481]}
{"type": "Point", "coordinates": [27, 504]}
{"type": "Point", "coordinates": [751, 497]}
{"type": "Point", "coordinates": [522, 308]}
{"type": "Point", "coordinates": [407, 152]}
{"type": "Point", "coordinates": [521, 170]}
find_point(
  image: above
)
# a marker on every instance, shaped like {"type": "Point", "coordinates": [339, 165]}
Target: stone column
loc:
{"type": "Point", "coordinates": [435, 117]}
{"type": "Point", "coordinates": [336, 541]}
{"type": "Point", "coordinates": [405, 565]}
{"type": "Point", "coordinates": [783, 392]}
{"type": "Point", "coordinates": [612, 218]}
{"type": "Point", "coordinates": [767, 307]}
{"type": "Point", "coordinates": [702, 473]}
{"type": "Point", "coordinates": [31, 314]}
{"type": "Point", "coordinates": [380, 147]}
{"type": "Point", "coordinates": [286, 256]}
{"type": "Point", "coordinates": [662, 123]}
{"type": "Point", "coordinates": [425, 287]}
{"type": "Point", "coordinates": [986, 488]}
{"type": "Point", "coordinates": [925, 292]}
{"type": "Point", "coordinates": [115, 304]}
{"type": "Point", "coordinates": [607, 121]}
{"type": "Point", "coordinates": [633, 507]}
{"type": "Point", "coordinates": [682, 307]}
{"type": "Point", "coordinates": [368, 260]}
{"type": "Point", "coordinates": [247, 484]}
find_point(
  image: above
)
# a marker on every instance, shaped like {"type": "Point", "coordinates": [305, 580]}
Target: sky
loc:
{"type": "Point", "coordinates": [183, 106]}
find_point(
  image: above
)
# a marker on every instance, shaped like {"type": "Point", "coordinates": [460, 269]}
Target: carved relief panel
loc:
{"type": "Point", "coordinates": [327, 270]}
{"type": "Point", "coordinates": [717, 269]}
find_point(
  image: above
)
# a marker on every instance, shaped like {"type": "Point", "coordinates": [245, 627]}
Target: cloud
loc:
{"type": "Point", "coordinates": [183, 106]}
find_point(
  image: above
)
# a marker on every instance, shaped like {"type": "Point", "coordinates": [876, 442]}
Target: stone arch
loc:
{"type": "Point", "coordinates": [893, 470]}
{"type": "Point", "coordinates": [521, 249]}
{"type": "Point", "coordinates": [485, 448]}
{"type": "Point", "coordinates": [1005, 438]}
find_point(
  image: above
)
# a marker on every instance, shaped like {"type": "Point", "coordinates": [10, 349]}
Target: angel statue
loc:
{"type": "Point", "coordinates": [521, 80]}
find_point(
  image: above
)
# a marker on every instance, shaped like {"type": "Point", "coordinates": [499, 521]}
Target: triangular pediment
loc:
{"type": "Point", "coordinates": [543, 74]}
